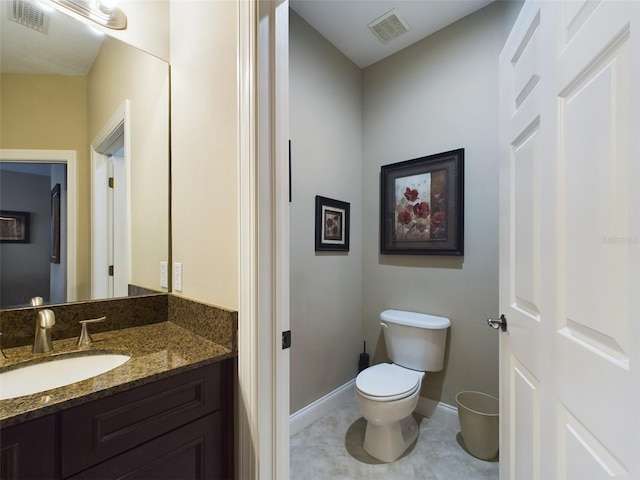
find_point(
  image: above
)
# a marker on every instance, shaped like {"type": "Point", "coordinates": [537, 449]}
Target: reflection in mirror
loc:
{"type": "Point", "coordinates": [76, 109]}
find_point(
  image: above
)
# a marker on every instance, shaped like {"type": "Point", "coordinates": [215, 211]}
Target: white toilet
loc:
{"type": "Point", "coordinates": [387, 393]}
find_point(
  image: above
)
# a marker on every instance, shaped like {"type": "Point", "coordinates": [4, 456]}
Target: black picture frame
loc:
{"type": "Point", "coordinates": [422, 205]}
{"type": "Point", "coordinates": [14, 227]}
{"type": "Point", "coordinates": [54, 238]}
{"type": "Point", "coordinates": [332, 225]}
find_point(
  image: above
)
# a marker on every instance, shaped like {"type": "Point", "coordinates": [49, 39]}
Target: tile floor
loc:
{"type": "Point", "coordinates": [331, 449]}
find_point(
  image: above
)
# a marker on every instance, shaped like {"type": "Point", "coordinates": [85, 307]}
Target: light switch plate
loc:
{"type": "Point", "coordinates": [177, 276]}
{"type": "Point", "coordinates": [164, 275]}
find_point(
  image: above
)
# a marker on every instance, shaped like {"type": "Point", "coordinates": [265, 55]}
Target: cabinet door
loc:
{"type": "Point", "coordinates": [29, 450]}
{"type": "Point", "coordinates": [187, 453]}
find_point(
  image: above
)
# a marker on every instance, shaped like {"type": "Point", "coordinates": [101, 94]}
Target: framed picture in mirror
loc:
{"type": "Point", "coordinates": [54, 239]}
{"type": "Point", "coordinates": [14, 227]}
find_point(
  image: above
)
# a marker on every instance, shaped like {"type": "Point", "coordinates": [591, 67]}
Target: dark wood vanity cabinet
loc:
{"type": "Point", "coordinates": [180, 427]}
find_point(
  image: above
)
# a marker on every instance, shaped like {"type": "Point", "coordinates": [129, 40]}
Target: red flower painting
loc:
{"type": "Point", "coordinates": [421, 210]}
{"type": "Point", "coordinates": [413, 208]}
{"type": "Point", "coordinates": [404, 217]}
{"type": "Point", "coordinates": [411, 194]}
{"type": "Point", "coordinates": [422, 205]}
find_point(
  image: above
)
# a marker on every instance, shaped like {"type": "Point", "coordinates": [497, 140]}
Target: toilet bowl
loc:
{"type": "Point", "coordinates": [388, 393]}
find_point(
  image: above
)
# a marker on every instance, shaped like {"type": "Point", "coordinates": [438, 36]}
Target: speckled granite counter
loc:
{"type": "Point", "coordinates": [157, 350]}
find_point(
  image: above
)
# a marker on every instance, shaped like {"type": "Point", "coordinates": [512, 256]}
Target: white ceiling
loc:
{"type": "Point", "coordinates": [67, 48]}
{"type": "Point", "coordinates": [344, 22]}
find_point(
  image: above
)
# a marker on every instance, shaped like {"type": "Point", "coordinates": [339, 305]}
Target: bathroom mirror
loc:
{"type": "Point", "coordinates": [80, 113]}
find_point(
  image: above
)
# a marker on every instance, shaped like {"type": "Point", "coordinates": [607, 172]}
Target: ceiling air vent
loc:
{"type": "Point", "coordinates": [389, 26]}
{"type": "Point", "coordinates": [28, 14]}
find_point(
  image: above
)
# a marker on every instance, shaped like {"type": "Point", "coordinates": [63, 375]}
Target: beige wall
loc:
{"type": "Point", "coordinates": [121, 72]}
{"type": "Point", "coordinates": [439, 95]}
{"type": "Point", "coordinates": [147, 26]}
{"type": "Point", "coordinates": [50, 112]}
{"type": "Point", "coordinates": [204, 136]}
{"type": "Point", "coordinates": [326, 288]}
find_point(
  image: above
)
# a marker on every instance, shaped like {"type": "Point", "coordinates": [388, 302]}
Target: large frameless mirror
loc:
{"type": "Point", "coordinates": [84, 161]}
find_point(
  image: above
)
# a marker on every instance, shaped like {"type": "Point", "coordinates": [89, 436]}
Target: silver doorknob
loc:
{"type": "Point", "coordinates": [496, 323]}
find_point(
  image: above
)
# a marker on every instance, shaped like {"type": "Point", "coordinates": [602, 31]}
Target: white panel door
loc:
{"type": "Point", "coordinates": [118, 233]}
{"type": "Point", "coordinates": [570, 242]}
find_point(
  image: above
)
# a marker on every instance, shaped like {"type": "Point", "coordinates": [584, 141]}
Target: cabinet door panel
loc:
{"type": "Point", "coordinates": [102, 429]}
{"type": "Point", "coordinates": [29, 450]}
{"type": "Point", "coordinates": [188, 453]}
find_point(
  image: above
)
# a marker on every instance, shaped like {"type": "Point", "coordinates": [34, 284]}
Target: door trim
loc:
{"type": "Point", "coordinates": [119, 123]}
{"type": "Point", "coordinates": [263, 367]}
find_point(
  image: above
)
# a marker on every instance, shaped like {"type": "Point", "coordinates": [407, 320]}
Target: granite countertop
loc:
{"type": "Point", "coordinates": [157, 351]}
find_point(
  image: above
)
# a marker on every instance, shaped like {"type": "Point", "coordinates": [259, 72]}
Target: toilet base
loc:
{"type": "Point", "coordinates": [389, 441]}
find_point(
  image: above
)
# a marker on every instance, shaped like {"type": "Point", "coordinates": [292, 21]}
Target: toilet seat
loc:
{"type": "Point", "coordinates": [386, 382]}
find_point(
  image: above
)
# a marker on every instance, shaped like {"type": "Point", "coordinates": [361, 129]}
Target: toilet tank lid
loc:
{"type": "Point", "coordinates": [413, 319]}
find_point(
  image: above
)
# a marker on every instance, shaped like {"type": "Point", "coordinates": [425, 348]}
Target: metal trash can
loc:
{"type": "Point", "coordinates": [479, 422]}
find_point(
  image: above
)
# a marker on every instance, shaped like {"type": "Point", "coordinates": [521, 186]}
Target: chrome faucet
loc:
{"type": "Point", "coordinates": [42, 342]}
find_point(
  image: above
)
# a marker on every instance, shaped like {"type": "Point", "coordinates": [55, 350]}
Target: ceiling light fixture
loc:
{"type": "Point", "coordinates": [102, 12]}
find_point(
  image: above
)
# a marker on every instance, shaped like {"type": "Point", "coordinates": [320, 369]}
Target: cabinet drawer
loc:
{"type": "Point", "coordinates": [107, 427]}
{"type": "Point", "coordinates": [187, 453]}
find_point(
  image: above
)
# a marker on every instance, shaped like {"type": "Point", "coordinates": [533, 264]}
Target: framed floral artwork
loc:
{"type": "Point", "coordinates": [332, 225]}
{"type": "Point", "coordinates": [422, 205]}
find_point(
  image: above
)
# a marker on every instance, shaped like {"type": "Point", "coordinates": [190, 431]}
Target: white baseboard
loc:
{"type": "Point", "coordinates": [315, 411]}
{"type": "Point", "coordinates": [318, 409]}
{"type": "Point", "coordinates": [439, 411]}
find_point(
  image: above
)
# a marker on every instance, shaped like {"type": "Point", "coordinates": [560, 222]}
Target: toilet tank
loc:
{"type": "Point", "coordinates": [415, 340]}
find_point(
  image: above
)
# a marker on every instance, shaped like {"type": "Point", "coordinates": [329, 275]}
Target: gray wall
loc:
{"type": "Point", "coordinates": [326, 288]}
{"type": "Point", "coordinates": [438, 95]}
{"type": "Point", "coordinates": [25, 266]}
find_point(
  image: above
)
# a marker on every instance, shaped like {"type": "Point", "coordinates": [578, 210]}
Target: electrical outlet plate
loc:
{"type": "Point", "coordinates": [177, 276]}
{"type": "Point", "coordinates": [164, 275]}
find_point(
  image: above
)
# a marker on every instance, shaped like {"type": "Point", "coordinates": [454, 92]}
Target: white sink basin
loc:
{"type": "Point", "coordinates": [56, 373]}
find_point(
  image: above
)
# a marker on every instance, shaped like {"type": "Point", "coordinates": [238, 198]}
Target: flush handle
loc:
{"type": "Point", "coordinates": [496, 323]}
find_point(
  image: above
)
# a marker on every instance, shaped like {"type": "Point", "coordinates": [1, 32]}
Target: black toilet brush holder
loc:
{"type": "Point", "coordinates": [364, 359]}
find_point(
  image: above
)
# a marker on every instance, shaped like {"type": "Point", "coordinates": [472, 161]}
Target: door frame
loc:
{"type": "Point", "coordinates": [67, 157]}
{"type": "Point", "coordinates": [117, 125]}
{"type": "Point", "coordinates": [263, 367]}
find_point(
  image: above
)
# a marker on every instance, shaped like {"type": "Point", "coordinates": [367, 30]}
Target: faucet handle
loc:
{"type": "Point", "coordinates": [85, 336]}
{"type": "Point", "coordinates": [36, 301]}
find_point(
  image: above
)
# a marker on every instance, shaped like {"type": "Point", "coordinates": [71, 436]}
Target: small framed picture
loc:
{"type": "Point", "coordinates": [422, 205]}
{"type": "Point", "coordinates": [332, 225]}
{"type": "Point", "coordinates": [14, 227]}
